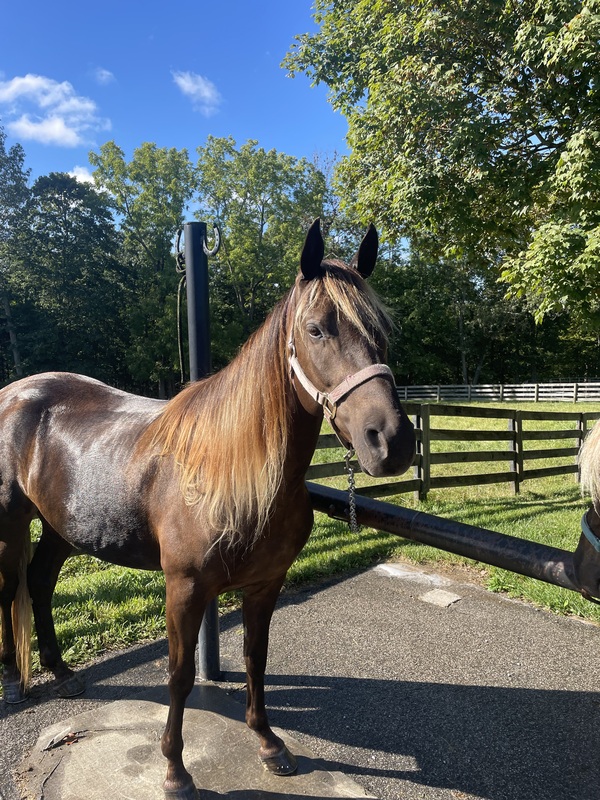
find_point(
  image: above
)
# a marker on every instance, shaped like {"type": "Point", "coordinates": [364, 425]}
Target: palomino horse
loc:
{"type": "Point", "coordinates": [586, 558]}
{"type": "Point", "coordinates": [209, 487]}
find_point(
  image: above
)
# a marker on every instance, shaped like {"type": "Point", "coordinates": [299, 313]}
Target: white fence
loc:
{"type": "Point", "coordinates": [523, 392]}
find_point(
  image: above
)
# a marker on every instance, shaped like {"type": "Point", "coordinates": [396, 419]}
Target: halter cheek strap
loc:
{"type": "Point", "coordinates": [329, 400]}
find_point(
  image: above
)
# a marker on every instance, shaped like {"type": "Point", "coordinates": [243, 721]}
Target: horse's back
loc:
{"type": "Point", "coordinates": [68, 447]}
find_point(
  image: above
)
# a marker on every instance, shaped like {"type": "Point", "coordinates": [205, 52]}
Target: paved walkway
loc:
{"type": "Point", "coordinates": [396, 683]}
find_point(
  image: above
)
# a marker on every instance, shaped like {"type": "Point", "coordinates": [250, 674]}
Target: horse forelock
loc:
{"type": "Point", "coordinates": [351, 297]}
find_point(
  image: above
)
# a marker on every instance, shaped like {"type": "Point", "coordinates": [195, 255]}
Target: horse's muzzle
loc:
{"type": "Point", "coordinates": [386, 448]}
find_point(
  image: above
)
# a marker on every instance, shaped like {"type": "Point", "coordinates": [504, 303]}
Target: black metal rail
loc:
{"type": "Point", "coordinates": [540, 561]}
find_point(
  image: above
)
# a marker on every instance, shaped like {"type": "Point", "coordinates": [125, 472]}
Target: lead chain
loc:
{"type": "Point", "coordinates": [353, 522]}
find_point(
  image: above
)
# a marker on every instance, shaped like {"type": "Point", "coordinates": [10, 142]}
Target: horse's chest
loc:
{"type": "Point", "coordinates": [274, 552]}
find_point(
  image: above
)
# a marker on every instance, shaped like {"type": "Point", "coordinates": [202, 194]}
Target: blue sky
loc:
{"type": "Point", "coordinates": [76, 74]}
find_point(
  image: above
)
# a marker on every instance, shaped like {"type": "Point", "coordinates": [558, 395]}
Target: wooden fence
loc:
{"type": "Point", "coordinates": [576, 392]}
{"type": "Point", "coordinates": [520, 449]}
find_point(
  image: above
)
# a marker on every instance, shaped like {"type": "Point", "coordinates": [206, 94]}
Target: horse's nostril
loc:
{"type": "Point", "coordinates": [372, 437]}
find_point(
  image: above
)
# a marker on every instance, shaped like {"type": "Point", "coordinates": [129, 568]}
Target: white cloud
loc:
{"type": "Point", "coordinates": [103, 76]}
{"type": "Point", "coordinates": [50, 130]}
{"type": "Point", "coordinates": [204, 94]}
{"type": "Point", "coordinates": [81, 174]}
{"type": "Point", "coordinates": [43, 110]}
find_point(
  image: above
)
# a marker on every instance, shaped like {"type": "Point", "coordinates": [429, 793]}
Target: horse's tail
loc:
{"type": "Point", "coordinates": [21, 615]}
{"type": "Point", "coordinates": [589, 464]}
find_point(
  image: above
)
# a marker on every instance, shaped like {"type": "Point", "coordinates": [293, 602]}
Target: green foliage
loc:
{"type": "Point", "coordinates": [561, 266]}
{"type": "Point", "coordinates": [14, 190]}
{"type": "Point", "coordinates": [87, 278]}
{"type": "Point", "coordinates": [149, 196]}
{"type": "Point", "coordinates": [66, 280]}
{"type": "Point", "coordinates": [474, 131]}
{"type": "Point", "coordinates": [263, 202]}
{"type": "Point", "coordinates": [14, 193]}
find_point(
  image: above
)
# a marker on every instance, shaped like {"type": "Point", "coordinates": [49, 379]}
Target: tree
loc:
{"type": "Point", "coordinates": [68, 282]}
{"type": "Point", "coordinates": [149, 195]}
{"type": "Point", "coordinates": [14, 192]}
{"type": "Point", "coordinates": [474, 130]}
{"type": "Point", "coordinates": [264, 202]}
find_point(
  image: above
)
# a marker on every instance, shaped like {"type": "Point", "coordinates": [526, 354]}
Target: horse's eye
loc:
{"type": "Point", "coordinates": [314, 331]}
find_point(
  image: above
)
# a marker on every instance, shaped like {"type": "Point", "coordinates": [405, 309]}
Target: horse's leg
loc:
{"type": "Point", "coordinates": [11, 677]}
{"type": "Point", "coordinates": [258, 607]}
{"type": "Point", "coordinates": [15, 615]}
{"type": "Point", "coordinates": [184, 611]}
{"type": "Point", "coordinates": [50, 554]}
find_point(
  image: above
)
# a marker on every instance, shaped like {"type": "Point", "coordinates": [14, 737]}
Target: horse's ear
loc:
{"type": "Point", "coordinates": [312, 252]}
{"type": "Point", "coordinates": [364, 260]}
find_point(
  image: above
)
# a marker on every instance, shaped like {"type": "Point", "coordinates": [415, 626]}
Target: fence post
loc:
{"type": "Point", "coordinates": [196, 275]}
{"type": "Point", "coordinates": [581, 432]}
{"type": "Point", "coordinates": [519, 446]}
{"type": "Point", "coordinates": [513, 427]}
{"type": "Point", "coordinates": [425, 451]}
{"type": "Point", "coordinates": [418, 465]}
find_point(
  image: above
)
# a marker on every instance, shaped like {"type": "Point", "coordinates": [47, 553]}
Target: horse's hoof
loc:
{"type": "Point", "coordinates": [13, 692]}
{"type": "Point", "coordinates": [187, 792]}
{"type": "Point", "coordinates": [71, 686]}
{"type": "Point", "coordinates": [282, 763]}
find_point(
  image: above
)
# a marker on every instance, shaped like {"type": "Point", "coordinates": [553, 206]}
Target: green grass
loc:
{"type": "Point", "coordinates": [100, 607]}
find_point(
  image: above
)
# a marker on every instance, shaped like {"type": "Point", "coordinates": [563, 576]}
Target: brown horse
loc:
{"type": "Point", "coordinates": [209, 487]}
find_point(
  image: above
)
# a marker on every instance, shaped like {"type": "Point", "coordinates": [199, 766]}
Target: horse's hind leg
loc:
{"type": "Point", "coordinates": [258, 607]}
{"type": "Point", "coordinates": [50, 554]}
{"type": "Point", "coordinates": [15, 610]}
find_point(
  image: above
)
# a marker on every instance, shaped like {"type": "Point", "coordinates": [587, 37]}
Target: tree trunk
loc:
{"type": "Point", "coordinates": [462, 345]}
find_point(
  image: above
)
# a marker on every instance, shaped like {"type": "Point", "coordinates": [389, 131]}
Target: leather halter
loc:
{"type": "Point", "coordinates": [329, 400]}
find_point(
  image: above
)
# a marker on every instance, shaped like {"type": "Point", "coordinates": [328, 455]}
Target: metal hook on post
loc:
{"type": "Point", "coordinates": [217, 242]}
{"type": "Point", "coordinates": [179, 253]}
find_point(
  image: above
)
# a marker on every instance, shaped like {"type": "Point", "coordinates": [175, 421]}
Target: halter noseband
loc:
{"type": "Point", "coordinates": [329, 400]}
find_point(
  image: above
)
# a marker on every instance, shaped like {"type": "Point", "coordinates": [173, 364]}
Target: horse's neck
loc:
{"type": "Point", "coordinates": [304, 433]}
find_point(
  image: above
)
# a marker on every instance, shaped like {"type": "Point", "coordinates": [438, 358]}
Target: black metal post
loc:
{"type": "Point", "coordinates": [196, 274]}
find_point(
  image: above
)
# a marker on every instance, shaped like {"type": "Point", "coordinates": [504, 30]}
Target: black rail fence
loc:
{"type": "Point", "coordinates": [521, 446]}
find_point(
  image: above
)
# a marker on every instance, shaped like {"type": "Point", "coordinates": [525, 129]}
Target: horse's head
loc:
{"type": "Point", "coordinates": [337, 348]}
{"type": "Point", "coordinates": [586, 558]}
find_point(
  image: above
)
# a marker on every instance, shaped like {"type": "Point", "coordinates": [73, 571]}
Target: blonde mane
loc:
{"type": "Point", "coordinates": [589, 464]}
{"type": "Point", "coordinates": [228, 434]}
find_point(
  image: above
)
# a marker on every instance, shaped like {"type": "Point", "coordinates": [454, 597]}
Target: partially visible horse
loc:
{"type": "Point", "coordinates": [586, 558]}
{"type": "Point", "coordinates": [209, 487]}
